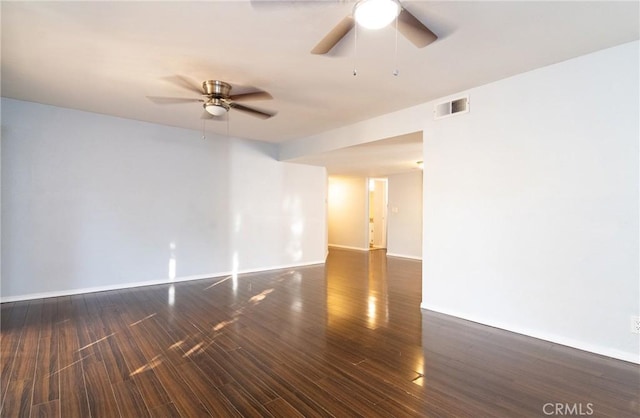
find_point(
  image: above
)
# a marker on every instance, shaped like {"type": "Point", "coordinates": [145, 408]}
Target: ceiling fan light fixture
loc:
{"type": "Point", "coordinates": [375, 14]}
{"type": "Point", "coordinates": [216, 107]}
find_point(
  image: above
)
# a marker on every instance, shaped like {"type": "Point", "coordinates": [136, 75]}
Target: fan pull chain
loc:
{"type": "Point", "coordinates": [227, 124]}
{"type": "Point", "coordinates": [203, 135]}
{"type": "Point", "coordinates": [395, 58]}
{"type": "Point", "coordinates": [355, 49]}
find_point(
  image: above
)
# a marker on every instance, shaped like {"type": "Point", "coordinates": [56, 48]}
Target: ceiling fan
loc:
{"type": "Point", "coordinates": [376, 14]}
{"type": "Point", "coordinates": [216, 98]}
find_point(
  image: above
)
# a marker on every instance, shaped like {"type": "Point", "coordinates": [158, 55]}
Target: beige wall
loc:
{"type": "Point", "coordinates": [348, 209]}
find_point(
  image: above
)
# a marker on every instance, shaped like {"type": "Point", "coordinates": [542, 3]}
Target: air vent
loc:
{"type": "Point", "coordinates": [451, 108]}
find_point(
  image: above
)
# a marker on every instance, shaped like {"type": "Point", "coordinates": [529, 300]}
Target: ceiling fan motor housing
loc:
{"type": "Point", "coordinates": [215, 88]}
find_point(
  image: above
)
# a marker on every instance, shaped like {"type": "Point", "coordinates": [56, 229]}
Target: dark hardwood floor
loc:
{"type": "Point", "coordinates": [343, 339]}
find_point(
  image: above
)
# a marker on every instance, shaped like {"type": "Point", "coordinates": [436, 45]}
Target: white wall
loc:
{"type": "Point", "coordinates": [348, 215]}
{"type": "Point", "coordinates": [94, 202]}
{"type": "Point", "coordinates": [404, 236]}
{"type": "Point", "coordinates": [531, 204]}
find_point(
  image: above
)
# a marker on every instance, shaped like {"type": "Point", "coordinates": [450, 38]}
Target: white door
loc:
{"type": "Point", "coordinates": [378, 213]}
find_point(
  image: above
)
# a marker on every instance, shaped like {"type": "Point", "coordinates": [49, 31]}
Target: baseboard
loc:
{"type": "Point", "coordinates": [412, 257]}
{"type": "Point", "coordinates": [580, 345]}
{"type": "Point", "coordinates": [346, 247]}
{"type": "Point", "coordinates": [68, 292]}
{"type": "Point", "coordinates": [78, 291]}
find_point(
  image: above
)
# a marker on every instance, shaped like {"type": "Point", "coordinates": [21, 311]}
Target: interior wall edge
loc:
{"type": "Point", "coordinates": [77, 291]}
{"type": "Point", "coordinates": [558, 339]}
{"type": "Point", "coordinates": [401, 122]}
{"type": "Point", "coordinates": [346, 247]}
{"type": "Point", "coordinates": [412, 257]}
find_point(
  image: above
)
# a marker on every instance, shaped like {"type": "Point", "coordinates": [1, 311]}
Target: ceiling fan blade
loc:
{"type": "Point", "coordinates": [253, 112]}
{"type": "Point", "coordinates": [279, 5]}
{"type": "Point", "coordinates": [256, 95]}
{"type": "Point", "coordinates": [171, 100]}
{"type": "Point", "coordinates": [185, 83]}
{"type": "Point", "coordinates": [334, 36]}
{"type": "Point", "coordinates": [412, 29]}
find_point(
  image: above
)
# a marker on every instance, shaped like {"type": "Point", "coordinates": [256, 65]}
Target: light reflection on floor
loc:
{"type": "Point", "coordinates": [355, 324]}
{"type": "Point", "coordinates": [359, 304]}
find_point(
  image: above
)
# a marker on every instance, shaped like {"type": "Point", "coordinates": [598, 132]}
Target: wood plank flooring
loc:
{"type": "Point", "coordinates": [344, 339]}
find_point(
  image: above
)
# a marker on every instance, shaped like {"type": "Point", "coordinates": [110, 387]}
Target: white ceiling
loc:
{"type": "Point", "coordinates": [399, 154]}
{"type": "Point", "coordinates": [107, 57]}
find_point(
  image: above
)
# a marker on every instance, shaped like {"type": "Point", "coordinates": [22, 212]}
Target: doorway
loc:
{"type": "Point", "coordinates": [378, 213]}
